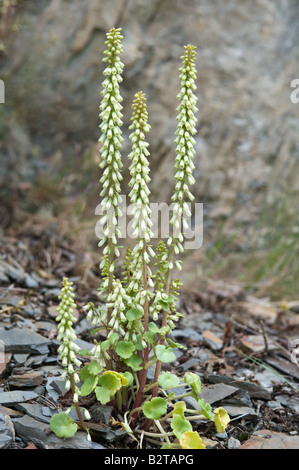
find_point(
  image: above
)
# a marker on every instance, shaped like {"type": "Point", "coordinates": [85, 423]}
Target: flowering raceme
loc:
{"type": "Point", "coordinates": [68, 348]}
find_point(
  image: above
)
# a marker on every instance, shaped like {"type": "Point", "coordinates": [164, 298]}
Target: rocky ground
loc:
{"type": "Point", "coordinates": [238, 344]}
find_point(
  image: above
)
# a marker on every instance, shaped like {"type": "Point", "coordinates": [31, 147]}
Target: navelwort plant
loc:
{"type": "Point", "coordinates": [139, 310]}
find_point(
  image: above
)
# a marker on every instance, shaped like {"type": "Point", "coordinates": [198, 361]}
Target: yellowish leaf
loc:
{"type": "Point", "coordinates": [179, 408]}
{"type": "Point", "coordinates": [191, 440]}
{"type": "Point", "coordinates": [221, 419]}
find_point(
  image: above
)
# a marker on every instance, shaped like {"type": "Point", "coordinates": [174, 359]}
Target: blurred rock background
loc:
{"type": "Point", "coordinates": [247, 156]}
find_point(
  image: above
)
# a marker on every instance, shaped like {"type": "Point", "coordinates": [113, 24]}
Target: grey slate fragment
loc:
{"type": "Point", "coordinates": [35, 410]}
{"type": "Point", "coordinates": [190, 333]}
{"type": "Point", "coordinates": [32, 430]}
{"type": "Point", "coordinates": [6, 432]}
{"type": "Point", "coordinates": [101, 413]}
{"type": "Point", "coordinates": [217, 392]}
{"type": "Point", "coordinates": [22, 340]}
{"type": "Point", "coordinates": [254, 390]}
{"type": "Point", "coordinates": [16, 396]}
{"type": "Point", "coordinates": [234, 410]}
{"type": "Point", "coordinates": [59, 386]}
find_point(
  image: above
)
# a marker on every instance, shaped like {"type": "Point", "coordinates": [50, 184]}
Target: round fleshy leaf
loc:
{"type": "Point", "coordinates": [63, 425]}
{"type": "Point", "coordinates": [164, 354]}
{"type": "Point", "coordinates": [193, 380]}
{"type": "Point", "coordinates": [154, 329]}
{"type": "Point", "coordinates": [179, 425]}
{"type": "Point", "coordinates": [88, 385]}
{"type": "Point", "coordinates": [125, 349]}
{"type": "Point", "coordinates": [109, 383]}
{"type": "Point", "coordinates": [134, 314]}
{"type": "Point", "coordinates": [94, 367]}
{"type": "Point", "coordinates": [129, 378]}
{"type": "Point", "coordinates": [221, 419]}
{"type": "Point", "coordinates": [149, 337]}
{"type": "Point", "coordinates": [120, 376]}
{"type": "Point", "coordinates": [191, 440]}
{"type": "Point", "coordinates": [134, 362]}
{"type": "Point", "coordinates": [109, 342]}
{"type": "Point", "coordinates": [168, 380]}
{"type": "Point", "coordinates": [155, 408]}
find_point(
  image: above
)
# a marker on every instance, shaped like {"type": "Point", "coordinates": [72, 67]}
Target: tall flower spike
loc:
{"type": "Point", "coordinates": [111, 164]}
{"type": "Point", "coordinates": [185, 141]}
{"type": "Point", "coordinates": [184, 166]}
{"type": "Point", "coordinates": [111, 140]}
{"type": "Point", "coordinates": [139, 170]}
{"type": "Point", "coordinates": [68, 349]}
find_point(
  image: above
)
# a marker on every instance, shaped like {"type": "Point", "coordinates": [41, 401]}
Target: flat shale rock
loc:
{"type": "Point", "coordinates": [28, 379]}
{"type": "Point", "coordinates": [32, 430]}
{"type": "Point", "coordinates": [265, 439]}
{"type": "Point", "coordinates": [217, 392]}
{"type": "Point", "coordinates": [6, 432]}
{"type": "Point", "coordinates": [23, 340]}
{"type": "Point", "coordinates": [16, 396]}
{"type": "Point", "coordinates": [254, 390]}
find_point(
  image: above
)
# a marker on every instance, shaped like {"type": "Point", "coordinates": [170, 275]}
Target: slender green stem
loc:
{"type": "Point", "coordinates": [78, 411]}
{"type": "Point", "coordinates": [164, 317]}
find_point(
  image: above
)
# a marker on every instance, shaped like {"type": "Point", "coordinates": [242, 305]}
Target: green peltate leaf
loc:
{"type": "Point", "coordinates": [149, 337]}
{"type": "Point", "coordinates": [94, 367]}
{"type": "Point", "coordinates": [193, 380]}
{"type": "Point", "coordinates": [84, 352]}
{"type": "Point", "coordinates": [154, 329]}
{"type": "Point", "coordinates": [125, 349]}
{"type": "Point", "coordinates": [174, 344]}
{"type": "Point", "coordinates": [84, 373]}
{"type": "Point", "coordinates": [89, 385]}
{"type": "Point", "coordinates": [129, 377]}
{"type": "Point", "coordinates": [109, 382]}
{"type": "Point", "coordinates": [63, 425]}
{"type": "Point", "coordinates": [109, 342]}
{"type": "Point", "coordinates": [168, 380]}
{"type": "Point", "coordinates": [179, 425]}
{"type": "Point", "coordinates": [164, 354]}
{"type": "Point", "coordinates": [103, 395]}
{"type": "Point", "coordinates": [155, 408]}
{"type": "Point", "coordinates": [138, 344]}
{"type": "Point", "coordinates": [134, 362]}
{"type": "Point", "coordinates": [134, 314]}
{"type": "Point", "coordinates": [206, 409]}
{"type": "Point", "coordinates": [164, 304]}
